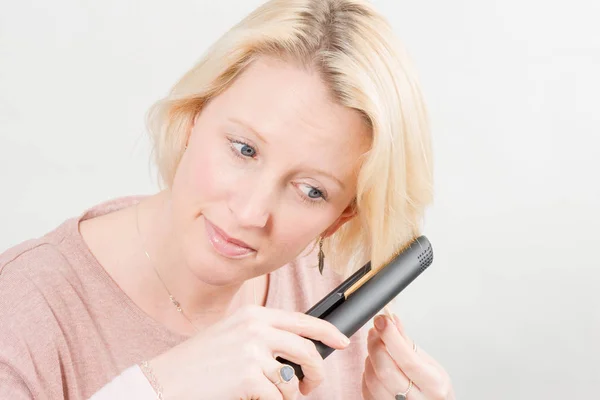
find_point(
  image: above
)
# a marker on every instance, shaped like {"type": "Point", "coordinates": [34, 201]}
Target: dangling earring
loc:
{"type": "Point", "coordinates": [321, 256]}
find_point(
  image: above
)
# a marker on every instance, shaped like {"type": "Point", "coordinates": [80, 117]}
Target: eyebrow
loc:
{"type": "Point", "coordinates": [321, 172]}
{"type": "Point", "coordinates": [315, 170]}
{"type": "Point", "coordinates": [250, 128]}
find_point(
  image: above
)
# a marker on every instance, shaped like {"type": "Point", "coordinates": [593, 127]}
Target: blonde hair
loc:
{"type": "Point", "coordinates": [367, 69]}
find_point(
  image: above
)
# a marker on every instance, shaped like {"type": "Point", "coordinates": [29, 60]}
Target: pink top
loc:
{"type": "Point", "coordinates": [67, 331]}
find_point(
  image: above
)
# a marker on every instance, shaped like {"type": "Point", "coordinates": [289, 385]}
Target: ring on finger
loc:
{"type": "Point", "coordinates": [404, 395]}
{"type": "Point", "coordinates": [286, 374]}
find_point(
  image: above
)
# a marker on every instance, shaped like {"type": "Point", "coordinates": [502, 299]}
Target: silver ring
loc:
{"type": "Point", "coordinates": [404, 395]}
{"type": "Point", "coordinates": [286, 374]}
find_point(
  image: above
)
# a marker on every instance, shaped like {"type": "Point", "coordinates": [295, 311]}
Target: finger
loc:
{"type": "Point", "coordinates": [419, 350]}
{"type": "Point", "coordinates": [440, 386]}
{"type": "Point", "coordinates": [300, 351]}
{"type": "Point", "coordinates": [288, 390]}
{"type": "Point", "coordinates": [411, 363]}
{"type": "Point", "coordinates": [388, 373]}
{"type": "Point", "coordinates": [314, 328]}
{"type": "Point", "coordinates": [427, 357]}
{"type": "Point", "coordinates": [377, 390]}
{"type": "Point", "coordinates": [375, 387]}
{"type": "Point", "coordinates": [365, 390]}
{"type": "Point", "coordinates": [400, 326]}
{"type": "Point", "coordinates": [300, 324]}
{"type": "Point", "coordinates": [394, 383]}
{"type": "Point", "coordinates": [265, 390]}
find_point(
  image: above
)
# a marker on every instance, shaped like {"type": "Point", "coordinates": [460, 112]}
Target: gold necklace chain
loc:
{"type": "Point", "coordinates": [174, 301]}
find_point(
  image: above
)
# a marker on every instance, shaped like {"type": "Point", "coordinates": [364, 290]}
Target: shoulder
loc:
{"type": "Point", "coordinates": [34, 277]}
{"type": "Point", "coordinates": [56, 260]}
{"type": "Point", "coordinates": [32, 274]}
{"type": "Point", "coordinates": [33, 265]}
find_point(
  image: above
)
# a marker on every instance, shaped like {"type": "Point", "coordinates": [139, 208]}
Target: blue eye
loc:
{"type": "Point", "coordinates": [312, 192]}
{"type": "Point", "coordinates": [244, 149]}
{"type": "Point", "coordinates": [315, 193]}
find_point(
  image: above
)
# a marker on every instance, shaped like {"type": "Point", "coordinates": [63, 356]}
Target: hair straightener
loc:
{"type": "Point", "coordinates": [360, 297]}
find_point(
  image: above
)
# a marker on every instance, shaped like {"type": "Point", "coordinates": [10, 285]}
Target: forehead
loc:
{"type": "Point", "coordinates": [294, 111]}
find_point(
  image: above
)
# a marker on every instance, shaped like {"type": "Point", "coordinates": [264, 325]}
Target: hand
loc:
{"type": "Point", "coordinates": [392, 361]}
{"type": "Point", "coordinates": [236, 357]}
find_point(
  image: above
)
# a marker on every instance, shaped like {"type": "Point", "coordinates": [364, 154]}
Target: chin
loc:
{"type": "Point", "coordinates": [213, 268]}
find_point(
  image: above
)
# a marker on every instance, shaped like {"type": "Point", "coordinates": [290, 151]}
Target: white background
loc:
{"type": "Point", "coordinates": [511, 304]}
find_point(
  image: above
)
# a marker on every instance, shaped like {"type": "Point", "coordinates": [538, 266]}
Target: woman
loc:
{"type": "Point", "coordinates": [302, 128]}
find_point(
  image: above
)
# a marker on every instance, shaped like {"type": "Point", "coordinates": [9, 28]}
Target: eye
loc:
{"type": "Point", "coordinates": [315, 193]}
{"type": "Point", "coordinates": [244, 149]}
{"type": "Point", "coordinates": [312, 192]}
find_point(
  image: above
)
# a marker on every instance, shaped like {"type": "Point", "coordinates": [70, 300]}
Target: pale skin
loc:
{"type": "Point", "coordinates": [267, 170]}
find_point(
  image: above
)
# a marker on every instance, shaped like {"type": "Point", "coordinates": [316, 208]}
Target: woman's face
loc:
{"type": "Point", "coordinates": [271, 165]}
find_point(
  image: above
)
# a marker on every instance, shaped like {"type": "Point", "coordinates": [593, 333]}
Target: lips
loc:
{"type": "Point", "coordinates": [229, 238]}
{"type": "Point", "coordinates": [224, 244]}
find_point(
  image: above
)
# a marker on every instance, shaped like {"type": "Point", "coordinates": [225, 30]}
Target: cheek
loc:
{"type": "Point", "coordinates": [295, 233]}
{"type": "Point", "coordinates": [290, 241]}
{"type": "Point", "coordinates": [296, 228]}
{"type": "Point", "coordinates": [202, 180]}
{"type": "Point", "coordinates": [207, 175]}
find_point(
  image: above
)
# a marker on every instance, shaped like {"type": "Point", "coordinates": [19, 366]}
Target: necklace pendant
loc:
{"type": "Point", "coordinates": [175, 303]}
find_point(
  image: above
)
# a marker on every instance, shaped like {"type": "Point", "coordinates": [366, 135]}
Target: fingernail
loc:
{"type": "Point", "coordinates": [345, 341]}
{"type": "Point", "coordinates": [380, 322]}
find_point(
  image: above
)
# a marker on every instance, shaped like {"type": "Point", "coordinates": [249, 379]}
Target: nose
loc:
{"type": "Point", "coordinates": [251, 203]}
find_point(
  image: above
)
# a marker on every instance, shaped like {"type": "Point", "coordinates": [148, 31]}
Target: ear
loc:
{"type": "Point", "coordinates": [349, 213]}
